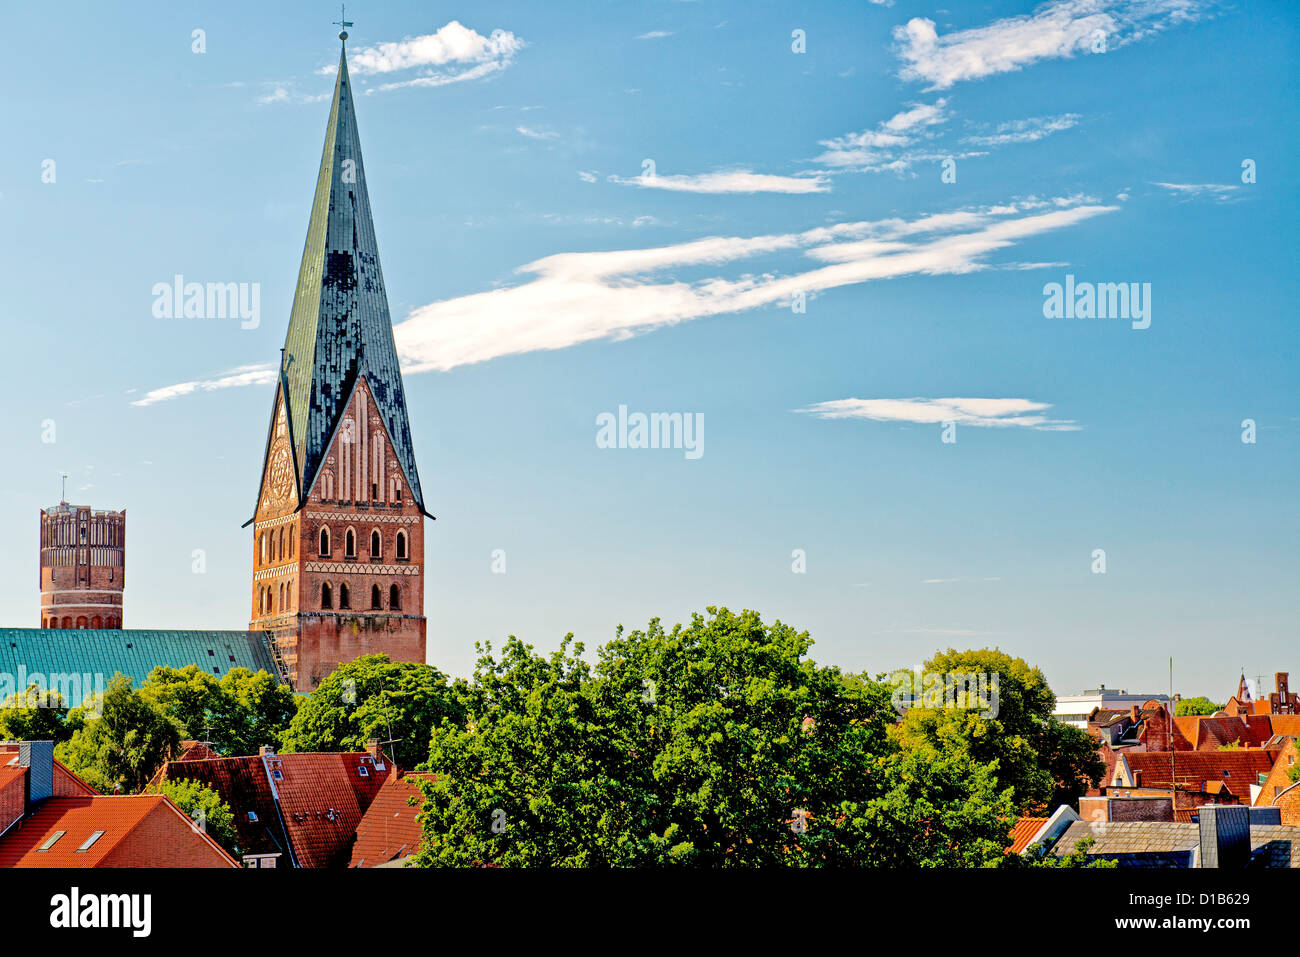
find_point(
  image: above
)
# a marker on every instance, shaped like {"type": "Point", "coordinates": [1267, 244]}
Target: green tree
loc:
{"type": "Point", "coordinates": [718, 744]}
{"type": "Point", "coordinates": [256, 710]}
{"type": "Point", "coordinates": [1043, 760]}
{"type": "Point", "coordinates": [371, 697]}
{"type": "Point", "coordinates": [119, 739]}
{"type": "Point", "coordinates": [34, 715]}
{"type": "Point", "coordinates": [1197, 705]}
{"type": "Point", "coordinates": [236, 714]}
{"type": "Point", "coordinates": [205, 807]}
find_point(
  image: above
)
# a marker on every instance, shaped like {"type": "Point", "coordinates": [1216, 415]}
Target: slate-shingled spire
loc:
{"type": "Point", "coordinates": [340, 328]}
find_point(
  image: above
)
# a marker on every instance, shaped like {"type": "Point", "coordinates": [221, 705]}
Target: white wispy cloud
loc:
{"type": "Point", "coordinates": [582, 297]}
{"type": "Point", "coordinates": [876, 148]}
{"type": "Point", "coordinates": [986, 413]}
{"type": "Point", "coordinates": [655, 35]}
{"type": "Point", "coordinates": [728, 181]}
{"type": "Point", "coordinates": [453, 54]}
{"type": "Point", "coordinates": [261, 373]}
{"type": "Point", "coordinates": [1220, 191]}
{"type": "Point", "coordinates": [587, 176]}
{"type": "Point", "coordinates": [574, 298]}
{"type": "Point", "coordinates": [1027, 130]}
{"type": "Point", "coordinates": [287, 93]}
{"type": "Point", "coordinates": [1054, 30]}
{"type": "Point", "coordinates": [534, 134]}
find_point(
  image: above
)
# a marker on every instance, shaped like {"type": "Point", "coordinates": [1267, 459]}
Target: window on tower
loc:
{"type": "Point", "coordinates": [376, 600]}
{"type": "Point", "coordinates": [394, 598]}
{"type": "Point", "coordinates": [345, 597]}
{"type": "Point", "coordinates": [376, 545]}
{"type": "Point", "coordinates": [324, 541]}
{"type": "Point", "coordinates": [401, 545]}
{"type": "Point", "coordinates": [350, 544]}
{"type": "Point", "coordinates": [326, 596]}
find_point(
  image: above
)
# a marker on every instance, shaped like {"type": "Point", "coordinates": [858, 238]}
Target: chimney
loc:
{"type": "Point", "coordinates": [38, 758]}
{"type": "Point", "coordinates": [1134, 712]}
{"type": "Point", "coordinates": [372, 748]}
{"type": "Point", "coordinates": [1225, 835]}
{"type": "Point", "coordinates": [1137, 778]}
{"type": "Point", "coordinates": [265, 751]}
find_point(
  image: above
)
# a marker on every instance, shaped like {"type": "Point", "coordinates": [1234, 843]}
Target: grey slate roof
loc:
{"type": "Point", "coordinates": [1165, 844]}
{"type": "Point", "coordinates": [340, 328]}
{"type": "Point", "coordinates": [132, 652]}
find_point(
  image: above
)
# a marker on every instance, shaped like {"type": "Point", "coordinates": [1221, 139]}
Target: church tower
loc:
{"type": "Point", "coordinates": [338, 532]}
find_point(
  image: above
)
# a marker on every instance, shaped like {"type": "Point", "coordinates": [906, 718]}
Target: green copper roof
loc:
{"type": "Point", "coordinates": [133, 652]}
{"type": "Point", "coordinates": [340, 328]}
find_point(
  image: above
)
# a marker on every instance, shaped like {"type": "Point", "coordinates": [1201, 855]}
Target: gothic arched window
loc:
{"type": "Point", "coordinates": [395, 598]}
{"type": "Point", "coordinates": [324, 541]}
{"type": "Point", "coordinates": [376, 545]}
{"type": "Point", "coordinates": [376, 600]}
{"type": "Point", "coordinates": [401, 545]}
{"type": "Point", "coordinates": [326, 596]}
{"type": "Point", "coordinates": [350, 544]}
{"type": "Point", "coordinates": [345, 597]}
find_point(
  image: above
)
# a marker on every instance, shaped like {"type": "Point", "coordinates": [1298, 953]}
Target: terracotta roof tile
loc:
{"type": "Point", "coordinates": [1237, 769]}
{"type": "Point", "coordinates": [1023, 831]}
{"type": "Point", "coordinates": [390, 829]}
{"type": "Point", "coordinates": [321, 800]}
{"type": "Point", "coordinates": [75, 820]}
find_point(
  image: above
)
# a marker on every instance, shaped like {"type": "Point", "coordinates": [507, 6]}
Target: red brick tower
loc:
{"type": "Point", "coordinates": [83, 567]}
{"type": "Point", "coordinates": [338, 533]}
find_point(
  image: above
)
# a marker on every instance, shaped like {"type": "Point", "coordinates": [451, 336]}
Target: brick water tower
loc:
{"type": "Point", "coordinates": [83, 567]}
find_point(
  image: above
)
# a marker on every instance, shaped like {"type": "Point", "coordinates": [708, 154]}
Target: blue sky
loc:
{"type": "Point", "coordinates": [540, 273]}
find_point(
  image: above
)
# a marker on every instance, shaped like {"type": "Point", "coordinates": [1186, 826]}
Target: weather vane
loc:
{"type": "Point", "coordinates": [343, 22]}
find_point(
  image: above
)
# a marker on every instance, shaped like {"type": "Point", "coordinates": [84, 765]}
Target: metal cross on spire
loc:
{"type": "Point", "coordinates": [343, 22]}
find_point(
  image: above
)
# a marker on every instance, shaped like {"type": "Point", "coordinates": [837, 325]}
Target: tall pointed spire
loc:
{"type": "Point", "coordinates": [340, 329]}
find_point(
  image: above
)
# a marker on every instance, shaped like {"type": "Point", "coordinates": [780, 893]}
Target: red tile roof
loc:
{"type": "Point", "coordinates": [308, 803]}
{"type": "Point", "coordinates": [243, 785]}
{"type": "Point", "coordinates": [196, 751]}
{"type": "Point", "coordinates": [72, 783]}
{"type": "Point", "coordinates": [323, 798]}
{"type": "Point", "coordinates": [1237, 769]}
{"type": "Point", "coordinates": [8, 775]}
{"type": "Point", "coordinates": [1286, 724]}
{"type": "Point", "coordinates": [1208, 733]}
{"type": "Point", "coordinates": [1023, 832]}
{"type": "Point", "coordinates": [65, 825]}
{"type": "Point", "coordinates": [78, 818]}
{"type": "Point", "coordinates": [390, 829]}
